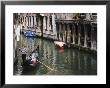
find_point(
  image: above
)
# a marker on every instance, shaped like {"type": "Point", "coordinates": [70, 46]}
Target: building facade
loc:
{"type": "Point", "coordinates": [78, 29]}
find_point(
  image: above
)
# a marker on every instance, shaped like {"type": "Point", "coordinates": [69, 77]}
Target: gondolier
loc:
{"type": "Point", "coordinates": [33, 58]}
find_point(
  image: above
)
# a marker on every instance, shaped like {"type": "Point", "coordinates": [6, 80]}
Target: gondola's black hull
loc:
{"type": "Point", "coordinates": [28, 66]}
{"type": "Point", "coordinates": [29, 70]}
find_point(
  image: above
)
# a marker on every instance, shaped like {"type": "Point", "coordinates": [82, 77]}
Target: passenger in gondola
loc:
{"type": "Point", "coordinates": [33, 58]}
{"type": "Point", "coordinates": [30, 60]}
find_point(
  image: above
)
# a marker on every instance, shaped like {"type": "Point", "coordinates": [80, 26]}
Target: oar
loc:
{"type": "Point", "coordinates": [46, 65]}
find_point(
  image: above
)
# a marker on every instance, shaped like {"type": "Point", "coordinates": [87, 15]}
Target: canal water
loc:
{"type": "Point", "coordinates": [55, 61]}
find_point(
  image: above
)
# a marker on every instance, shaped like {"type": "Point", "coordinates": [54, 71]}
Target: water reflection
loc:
{"type": "Point", "coordinates": [63, 62]}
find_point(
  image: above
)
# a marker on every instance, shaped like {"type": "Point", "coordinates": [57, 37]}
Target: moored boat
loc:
{"type": "Point", "coordinates": [29, 33]}
{"type": "Point", "coordinates": [60, 44]}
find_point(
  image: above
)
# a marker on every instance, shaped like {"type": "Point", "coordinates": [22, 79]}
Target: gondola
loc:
{"type": "Point", "coordinates": [32, 59]}
{"type": "Point", "coordinates": [31, 62]}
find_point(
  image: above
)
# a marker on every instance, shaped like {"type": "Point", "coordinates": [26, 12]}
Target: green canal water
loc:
{"type": "Point", "coordinates": [57, 61]}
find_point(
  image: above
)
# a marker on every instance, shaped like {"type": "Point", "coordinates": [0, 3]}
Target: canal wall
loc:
{"type": "Point", "coordinates": [72, 46]}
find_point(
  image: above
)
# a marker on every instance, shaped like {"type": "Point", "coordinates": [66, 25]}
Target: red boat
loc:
{"type": "Point", "coordinates": [60, 44]}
